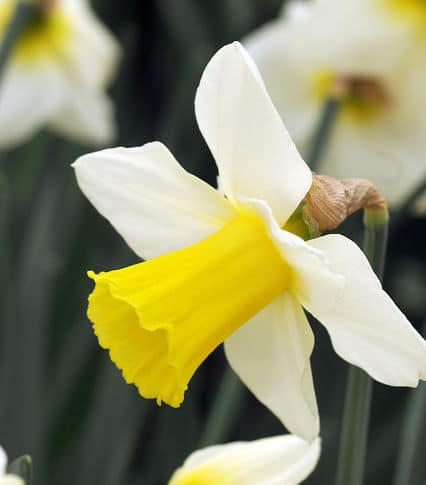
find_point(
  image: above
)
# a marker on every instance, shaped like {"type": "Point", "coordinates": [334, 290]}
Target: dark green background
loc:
{"type": "Point", "coordinates": [62, 400]}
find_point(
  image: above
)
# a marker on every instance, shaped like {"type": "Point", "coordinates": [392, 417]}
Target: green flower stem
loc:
{"type": "Point", "coordinates": [356, 414]}
{"type": "Point", "coordinates": [376, 228]}
{"type": "Point", "coordinates": [414, 424]}
{"type": "Point", "coordinates": [323, 131]}
{"type": "Point", "coordinates": [224, 410]}
{"type": "Point", "coordinates": [415, 194]}
{"type": "Point", "coordinates": [407, 205]}
{"type": "Point", "coordinates": [353, 439]}
{"type": "Point", "coordinates": [19, 20]}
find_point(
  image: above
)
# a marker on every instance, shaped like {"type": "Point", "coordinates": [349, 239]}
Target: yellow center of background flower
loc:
{"type": "Point", "coordinates": [204, 475]}
{"type": "Point", "coordinates": [160, 319]}
{"type": "Point", "coordinates": [413, 11]}
{"type": "Point", "coordinates": [45, 36]}
{"type": "Point", "coordinates": [362, 98]}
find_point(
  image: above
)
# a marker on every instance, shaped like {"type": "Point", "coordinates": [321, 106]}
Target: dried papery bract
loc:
{"type": "Point", "coordinates": [330, 201]}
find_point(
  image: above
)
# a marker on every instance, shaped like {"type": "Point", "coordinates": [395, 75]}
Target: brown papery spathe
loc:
{"type": "Point", "coordinates": [330, 201]}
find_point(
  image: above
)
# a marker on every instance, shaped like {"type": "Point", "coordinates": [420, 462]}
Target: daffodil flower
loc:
{"type": "Point", "coordinates": [280, 460]}
{"type": "Point", "coordinates": [402, 21]}
{"type": "Point", "coordinates": [57, 75]}
{"type": "Point", "coordinates": [226, 269]}
{"type": "Point", "coordinates": [343, 47]}
{"type": "Point", "coordinates": [7, 479]}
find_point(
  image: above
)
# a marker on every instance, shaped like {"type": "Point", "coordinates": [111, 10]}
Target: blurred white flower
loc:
{"type": "Point", "coordinates": [57, 75]}
{"type": "Point", "coordinates": [226, 269]}
{"type": "Point", "coordinates": [402, 22]}
{"type": "Point", "coordinates": [6, 479]}
{"type": "Point", "coordinates": [379, 133]}
{"type": "Point", "coordinates": [297, 9]}
{"type": "Point", "coordinates": [280, 460]}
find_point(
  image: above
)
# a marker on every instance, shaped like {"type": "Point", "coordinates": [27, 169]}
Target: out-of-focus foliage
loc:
{"type": "Point", "coordinates": [62, 400]}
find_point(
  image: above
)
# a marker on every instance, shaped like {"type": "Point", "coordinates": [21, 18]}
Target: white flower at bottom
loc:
{"type": "Point", "coordinates": [4, 478]}
{"type": "Point", "coordinates": [280, 460]}
{"type": "Point", "coordinates": [57, 75]}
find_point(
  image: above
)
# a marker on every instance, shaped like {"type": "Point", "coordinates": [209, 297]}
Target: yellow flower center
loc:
{"type": "Point", "coordinates": [45, 36]}
{"type": "Point", "coordinates": [362, 98]}
{"type": "Point", "coordinates": [413, 11]}
{"type": "Point", "coordinates": [160, 319]}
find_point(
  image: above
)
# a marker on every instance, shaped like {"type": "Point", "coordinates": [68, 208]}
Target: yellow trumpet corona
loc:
{"type": "Point", "coordinates": [176, 309]}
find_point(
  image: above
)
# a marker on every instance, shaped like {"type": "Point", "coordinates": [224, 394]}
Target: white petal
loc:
{"type": "Point", "coordinates": [279, 460]}
{"type": "Point", "coordinates": [390, 154]}
{"type": "Point", "coordinates": [11, 480]}
{"type": "Point", "coordinates": [28, 97]}
{"type": "Point", "coordinates": [3, 461]}
{"type": "Point", "coordinates": [150, 199]}
{"type": "Point", "coordinates": [311, 269]}
{"type": "Point", "coordinates": [254, 153]}
{"type": "Point", "coordinates": [87, 117]}
{"type": "Point", "coordinates": [93, 54]}
{"type": "Point", "coordinates": [271, 354]}
{"type": "Point", "coordinates": [297, 10]}
{"type": "Point", "coordinates": [364, 29]}
{"type": "Point", "coordinates": [279, 52]}
{"type": "Point", "coordinates": [366, 327]}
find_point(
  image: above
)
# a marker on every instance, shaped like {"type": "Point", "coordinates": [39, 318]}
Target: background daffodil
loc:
{"type": "Point", "coordinates": [342, 49]}
{"type": "Point", "coordinates": [401, 21]}
{"type": "Point", "coordinates": [280, 460]}
{"type": "Point", "coordinates": [227, 269]}
{"type": "Point", "coordinates": [57, 75]}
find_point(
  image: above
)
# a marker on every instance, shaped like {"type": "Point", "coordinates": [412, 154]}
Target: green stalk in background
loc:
{"type": "Point", "coordinates": [323, 132]}
{"type": "Point", "coordinates": [356, 414]}
{"type": "Point", "coordinates": [412, 198]}
{"type": "Point", "coordinates": [224, 410]}
{"type": "Point", "coordinates": [376, 228]}
{"type": "Point", "coordinates": [414, 423]}
{"type": "Point", "coordinates": [409, 463]}
{"type": "Point", "coordinates": [414, 420]}
{"type": "Point", "coordinates": [19, 20]}
{"type": "Point", "coordinates": [407, 205]}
